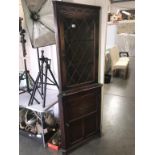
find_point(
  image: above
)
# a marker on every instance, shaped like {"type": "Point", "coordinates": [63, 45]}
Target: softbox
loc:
{"type": "Point", "coordinates": [39, 19]}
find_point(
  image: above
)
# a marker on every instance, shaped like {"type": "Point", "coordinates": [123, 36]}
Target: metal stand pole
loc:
{"type": "Point", "coordinates": [38, 58]}
{"type": "Point", "coordinates": [41, 78]}
{"type": "Point", "coordinates": [45, 85]}
{"type": "Point", "coordinates": [29, 79]}
{"type": "Point", "coordinates": [53, 78]}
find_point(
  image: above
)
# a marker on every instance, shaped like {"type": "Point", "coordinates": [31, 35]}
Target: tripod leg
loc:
{"type": "Point", "coordinates": [35, 99]}
{"type": "Point", "coordinates": [54, 78]}
{"type": "Point", "coordinates": [41, 78]}
{"type": "Point", "coordinates": [26, 71]}
{"type": "Point", "coordinates": [35, 87]}
{"type": "Point", "coordinates": [45, 85]}
{"type": "Point", "coordinates": [49, 79]}
{"type": "Point", "coordinates": [38, 57]}
{"type": "Point", "coordinates": [22, 92]}
{"type": "Point", "coordinates": [20, 78]}
{"type": "Point", "coordinates": [33, 91]}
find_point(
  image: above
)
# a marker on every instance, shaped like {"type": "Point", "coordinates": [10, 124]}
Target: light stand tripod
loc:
{"type": "Point", "coordinates": [26, 74]}
{"type": "Point", "coordinates": [45, 63]}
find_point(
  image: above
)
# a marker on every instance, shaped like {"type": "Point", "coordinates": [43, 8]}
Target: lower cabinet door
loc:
{"type": "Point", "coordinates": [82, 115]}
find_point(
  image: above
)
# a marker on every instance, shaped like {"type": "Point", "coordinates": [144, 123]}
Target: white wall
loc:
{"type": "Point", "coordinates": [103, 28]}
{"type": "Point", "coordinates": [111, 35]}
{"type": "Point", "coordinates": [122, 5]}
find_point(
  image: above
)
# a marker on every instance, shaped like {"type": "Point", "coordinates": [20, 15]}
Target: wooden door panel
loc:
{"type": "Point", "coordinates": [81, 106]}
{"type": "Point", "coordinates": [90, 125]}
{"type": "Point", "coordinates": [75, 132]}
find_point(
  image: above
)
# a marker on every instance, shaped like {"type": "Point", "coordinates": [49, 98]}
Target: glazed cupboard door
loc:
{"type": "Point", "coordinates": [77, 37]}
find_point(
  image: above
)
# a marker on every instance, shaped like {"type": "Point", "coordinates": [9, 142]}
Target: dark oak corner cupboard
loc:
{"type": "Point", "coordinates": [77, 34]}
